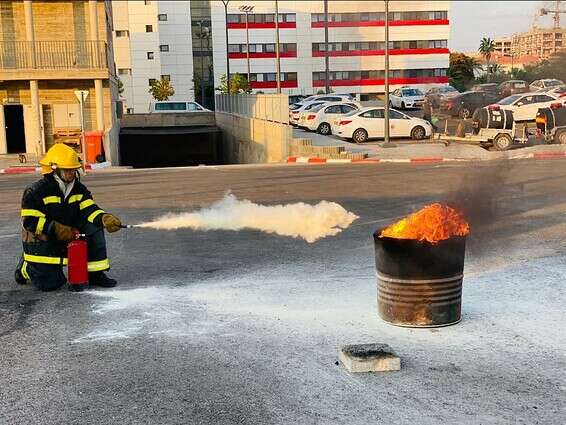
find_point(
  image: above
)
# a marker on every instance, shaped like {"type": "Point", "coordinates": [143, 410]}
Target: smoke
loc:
{"type": "Point", "coordinates": [299, 220]}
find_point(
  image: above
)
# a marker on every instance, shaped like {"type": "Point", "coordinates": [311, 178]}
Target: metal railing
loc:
{"type": "Point", "coordinates": [268, 107]}
{"type": "Point", "coordinates": [53, 55]}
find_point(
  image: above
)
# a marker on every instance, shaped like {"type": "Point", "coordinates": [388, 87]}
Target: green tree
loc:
{"type": "Point", "coordinates": [487, 47]}
{"type": "Point", "coordinates": [461, 70]}
{"type": "Point", "coordinates": [161, 89]}
{"type": "Point", "coordinates": [120, 87]}
{"type": "Point", "coordinates": [238, 84]}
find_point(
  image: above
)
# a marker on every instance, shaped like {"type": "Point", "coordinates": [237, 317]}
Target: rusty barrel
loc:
{"type": "Point", "coordinates": [419, 283]}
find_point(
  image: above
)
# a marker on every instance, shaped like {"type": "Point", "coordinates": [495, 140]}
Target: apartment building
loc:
{"type": "Point", "coordinates": [502, 46]}
{"type": "Point", "coordinates": [49, 50]}
{"type": "Point", "coordinates": [539, 42]}
{"type": "Point", "coordinates": [418, 44]}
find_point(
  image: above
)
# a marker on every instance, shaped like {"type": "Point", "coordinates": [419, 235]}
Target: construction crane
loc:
{"type": "Point", "coordinates": [556, 11]}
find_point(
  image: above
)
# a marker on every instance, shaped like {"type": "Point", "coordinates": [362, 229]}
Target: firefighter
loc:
{"type": "Point", "coordinates": [54, 209]}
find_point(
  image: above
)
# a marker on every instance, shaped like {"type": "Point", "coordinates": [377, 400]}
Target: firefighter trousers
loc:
{"type": "Point", "coordinates": [49, 277]}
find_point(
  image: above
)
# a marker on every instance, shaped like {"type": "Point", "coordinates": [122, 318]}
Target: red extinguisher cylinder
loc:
{"type": "Point", "coordinates": [77, 267]}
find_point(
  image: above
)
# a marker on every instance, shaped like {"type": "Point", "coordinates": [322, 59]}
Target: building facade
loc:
{"type": "Point", "coordinates": [186, 42]}
{"type": "Point", "coordinates": [418, 45]}
{"type": "Point", "coordinates": [48, 51]}
{"type": "Point", "coordinates": [539, 42]}
{"type": "Point", "coordinates": [502, 46]}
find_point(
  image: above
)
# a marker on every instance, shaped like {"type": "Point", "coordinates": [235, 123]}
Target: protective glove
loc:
{"type": "Point", "coordinates": [111, 223]}
{"type": "Point", "coordinates": [62, 232]}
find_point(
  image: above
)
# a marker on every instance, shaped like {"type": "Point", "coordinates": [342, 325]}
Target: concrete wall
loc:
{"type": "Point", "coordinates": [168, 119]}
{"type": "Point", "coordinates": [251, 141]}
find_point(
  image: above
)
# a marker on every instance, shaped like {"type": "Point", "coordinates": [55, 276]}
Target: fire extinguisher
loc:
{"type": "Point", "coordinates": [77, 266]}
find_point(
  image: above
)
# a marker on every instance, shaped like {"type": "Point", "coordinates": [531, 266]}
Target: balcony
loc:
{"type": "Point", "coordinates": [23, 60]}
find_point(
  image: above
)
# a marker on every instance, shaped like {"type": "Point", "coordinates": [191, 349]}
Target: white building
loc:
{"type": "Point", "coordinates": [153, 39]}
{"type": "Point", "coordinates": [418, 45]}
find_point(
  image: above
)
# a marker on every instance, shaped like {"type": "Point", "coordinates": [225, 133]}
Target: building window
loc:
{"type": "Point", "coordinates": [149, 28]}
{"type": "Point", "coordinates": [129, 110]}
{"type": "Point", "coordinates": [163, 47]}
{"type": "Point", "coordinates": [122, 33]}
{"type": "Point", "coordinates": [162, 17]}
{"type": "Point", "coordinates": [166, 77]}
{"type": "Point", "coordinates": [124, 71]}
{"type": "Point", "coordinates": [152, 81]}
{"type": "Point", "coordinates": [150, 55]}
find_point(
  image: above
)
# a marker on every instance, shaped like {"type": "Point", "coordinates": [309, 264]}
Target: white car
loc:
{"type": "Point", "coordinates": [329, 98]}
{"type": "Point", "coordinates": [559, 91]}
{"type": "Point", "coordinates": [176, 107]}
{"type": "Point", "coordinates": [545, 85]}
{"type": "Point", "coordinates": [321, 118]}
{"type": "Point", "coordinates": [369, 123]}
{"type": "Point", "coordinates": [406, 97]}
{"type": "Point", "coordinates": [295, 114]}
{"type": "Point", "coordinates": [525, 106]}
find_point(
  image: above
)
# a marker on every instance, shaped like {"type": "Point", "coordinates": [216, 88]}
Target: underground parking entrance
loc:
{"type": "Point", "coordinates": [145, 147]}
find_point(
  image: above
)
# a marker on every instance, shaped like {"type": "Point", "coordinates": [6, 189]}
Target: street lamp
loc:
{"type": "Point", "coordinates": [277, 47]}
{"type": "Point", "coordinates": [326, 52]}
{"type": "Point", "coordinates": [247, 10]}
{"type": "Point", "coordinates": [386, 72]}
{"type": "Point", "coordinates": [225, 3]}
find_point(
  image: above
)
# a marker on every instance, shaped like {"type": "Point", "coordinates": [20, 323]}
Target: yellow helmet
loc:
{"type": "Point", "coordinates": [59, 156]}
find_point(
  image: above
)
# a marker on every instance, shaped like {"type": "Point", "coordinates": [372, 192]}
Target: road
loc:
{"type": "Point", "coordinates": [227, 327]}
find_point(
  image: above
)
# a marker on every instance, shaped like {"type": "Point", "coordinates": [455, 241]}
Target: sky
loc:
{"type": "Point", "coordinates": [472, 20]}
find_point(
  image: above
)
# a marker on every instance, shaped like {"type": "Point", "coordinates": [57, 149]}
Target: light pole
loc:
{"type": "Point", "coordinates": [247, 10]}
{"type": "Point", "coordinates": [326, 52]}
{"type": "Point", "coordinates": [277, 46]}
{"type": "Point", "coordinates": [225, 3]}
{"type": "Point", "coordinates": [386, 72]}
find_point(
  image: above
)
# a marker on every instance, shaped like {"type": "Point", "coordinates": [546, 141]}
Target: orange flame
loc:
{"type": "Point", "coordinates": [433, 223]}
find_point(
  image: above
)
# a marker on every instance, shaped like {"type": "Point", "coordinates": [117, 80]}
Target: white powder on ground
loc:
{"type": "Point", "coordinates": [299, 220]}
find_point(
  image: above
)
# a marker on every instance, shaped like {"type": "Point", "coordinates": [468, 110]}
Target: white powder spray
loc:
{"type": "Point", "coordinates": [300, 220]}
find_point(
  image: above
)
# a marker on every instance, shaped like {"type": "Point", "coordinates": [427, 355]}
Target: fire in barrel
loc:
{"type": "Point", "coordinates": [420, 266]}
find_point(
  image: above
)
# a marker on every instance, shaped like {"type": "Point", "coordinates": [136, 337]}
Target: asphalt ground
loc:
{"type": "Point", "coordinates": [226, 327]}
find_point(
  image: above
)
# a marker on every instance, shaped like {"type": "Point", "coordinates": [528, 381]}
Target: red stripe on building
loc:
{"type": "Point", "coordinates": [254, 25]}
{"type": "Point", "coordinates": [381, 81]}
{"type": "Point", "coordinates": [262, 55]}
{"type": "Point", "coordinates": [382, 52]}
{"type": "Point", "coordinates": [380, 23]}
{"type": "Point", "coordinates": [290, 84]}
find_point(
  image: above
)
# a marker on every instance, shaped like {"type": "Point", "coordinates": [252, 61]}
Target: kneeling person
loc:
{"type": "Point", "coordinates": [54, 209]}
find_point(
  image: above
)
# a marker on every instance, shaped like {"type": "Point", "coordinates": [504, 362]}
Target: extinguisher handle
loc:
{"type": "Point", "coordinates": [78, 235]}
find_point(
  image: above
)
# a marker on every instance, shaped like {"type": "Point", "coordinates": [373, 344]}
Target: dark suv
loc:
{"type": "Point", "coordinates": [464, 104]}
{"type": "Point", "coordinates": [512, 87]}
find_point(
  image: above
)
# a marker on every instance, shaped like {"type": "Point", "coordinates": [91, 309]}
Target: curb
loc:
{"type": "Point", "coordinates": [32, 170]}
{"type": "Point", "coordinates": [423, 160]}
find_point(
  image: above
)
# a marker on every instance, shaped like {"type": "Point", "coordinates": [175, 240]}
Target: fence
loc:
{"type": "Point", "coordinates": [267, 107]}
{"type": "Point", "coordinates": [53, 55]}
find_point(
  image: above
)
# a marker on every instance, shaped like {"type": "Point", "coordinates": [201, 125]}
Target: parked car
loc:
{"type": "Point", "coordinates": [321, 118]}
{"type": "Point", "coordinates": [176, 107]}
{"type": "Point", "coordinates": [406, 97]}
{"type": "Point", "coordinates": [490, 88]}
{"type": "Point", "coordinates": [296, 98]}
{"type": "Point", "coordinates": [330, 98]}
{"type": "Point", "coordinates": [295, 113]}
{"type": "Point", "coordinates": [369, 123]}
{"type": "Point", "coordinates": [559, 91]}
{"type": "Point", "coordinates": [545, 84]}
{"type": "Point", "coordinates": [464, 104]}
{"type": "Point", "coordinates": [437, 94]}
{"type": "Point", "coordinates": [510, 87]}
{"type": "Point", "coordinates": [525, 106]}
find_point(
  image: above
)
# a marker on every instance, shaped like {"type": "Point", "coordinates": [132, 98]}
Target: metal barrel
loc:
{"type": "Point", "coordinates": [419, 284]}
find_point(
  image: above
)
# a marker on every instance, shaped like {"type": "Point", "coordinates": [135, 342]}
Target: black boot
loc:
{"type": "Point", "coordinates": [20, 279]}
{"type": "Point", "coordinates": [100, 279]}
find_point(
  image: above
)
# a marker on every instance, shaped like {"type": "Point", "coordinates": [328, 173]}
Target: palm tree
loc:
{"type": "Point", "coordinates": [487, 46]}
